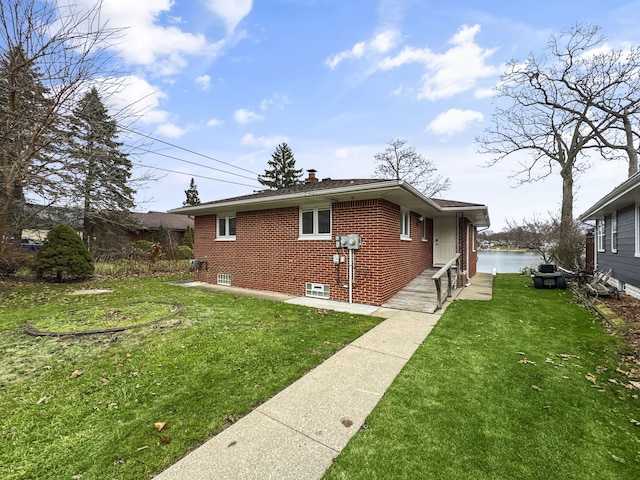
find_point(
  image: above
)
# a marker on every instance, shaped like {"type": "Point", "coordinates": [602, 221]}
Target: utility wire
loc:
{"type": "Point", "coordinates": [193, 175]}
{"type": "Point", "coordinates": [192, 163]}
{"type": "Point", "coordinates": [186, 149]}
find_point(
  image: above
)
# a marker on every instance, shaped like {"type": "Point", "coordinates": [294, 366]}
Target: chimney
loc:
{"type": "Point", "coordinates": [312, 176]}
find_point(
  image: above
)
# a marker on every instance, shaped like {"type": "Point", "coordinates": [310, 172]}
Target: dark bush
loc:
{"type": "Point", "coordinates": [184, 252]}
{"type": "Point", "coordinates": [13, 259]}
{"type": "Point", "coordinates": [63, 255]}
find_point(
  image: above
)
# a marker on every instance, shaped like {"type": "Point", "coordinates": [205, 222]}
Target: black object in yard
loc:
{"type": "Point", "coordinates": [548, 276]}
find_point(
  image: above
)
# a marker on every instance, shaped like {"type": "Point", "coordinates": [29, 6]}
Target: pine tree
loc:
{"type": "Point", "coordinates": [63, 255]}
{"type": "Point", "coordinates": [27, 154]}
{"type": "Point", "coordinates": [192, 195]}
{"type": "Point", "coordinates": [101, 168]}
{"type": "Point", "coordinates": [283, 171]}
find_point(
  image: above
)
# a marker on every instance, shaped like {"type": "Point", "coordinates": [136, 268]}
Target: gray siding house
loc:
{"type": "Point", "coordinates": [617, 235]}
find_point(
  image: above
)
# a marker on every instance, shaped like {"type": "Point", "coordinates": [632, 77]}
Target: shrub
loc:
{"type": "Point", "coordinates": [13, 259]}
{"type": "Point", "coordinates": [189, 237]}
{"type": "Point", "coordinates": [184, 252]}
{"type": "Point", "coordinates": [63, 255]}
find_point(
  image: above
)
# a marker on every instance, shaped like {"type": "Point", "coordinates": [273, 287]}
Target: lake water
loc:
{"type": "Point", "coordinates": [506, 262]}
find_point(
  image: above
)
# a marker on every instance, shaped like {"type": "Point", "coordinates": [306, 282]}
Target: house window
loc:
{"type": "Point", "coordinates": [226, 227]}
{"type": "Point", "coordinates": [600, 235]}
{"type": "Point", "coordinates": [405, 220]}
{"type": "Point", "coordinates": [424, 230]}
{"type": "Point", "coordinates": [315, 223]}
{"type": "Point", "coordinates": [224, 279]}
{"type": "Point", "coordinates": [614, 232]}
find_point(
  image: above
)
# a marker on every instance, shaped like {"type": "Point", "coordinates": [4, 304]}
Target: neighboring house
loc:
{"type": "Point", "coordinates": [152, 224]}
{"type": "Point", "coordinates": [617, 235]}
{"type": "Point", "coordinates": [285, 240]}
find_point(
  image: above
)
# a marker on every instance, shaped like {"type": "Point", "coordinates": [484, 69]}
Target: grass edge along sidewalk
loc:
{"type": "Point", "coordinates": [516, 387]}
{"type": "Point", "coordinates": [129, 404]}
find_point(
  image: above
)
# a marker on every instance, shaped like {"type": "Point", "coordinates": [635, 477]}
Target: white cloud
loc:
{"type": "Point", "coordinates": [134, 98]}
{"type": "Point", "coordinates": [203, 81]}
{"type": "Point", "coordinates": [231, 11]}
{"type": "Point", "coordinates": [380, 44]}
{"type": "Point", "coordinates": [251, 139]}
{"type": "Point", "coordinates": [453, 121]}
{"type": "Point", "coordinates": [244, 116]}
{"type": "Point", "coordinates": [456, 70]}
{"type": "Point", "coordinates": [277, 100]}
{"type": "Point", "coordinates": [214, 122]}
{"type": "Point", "coordinates": [142, 40]}
{"type": "Point", "coordinates": [170, 130]}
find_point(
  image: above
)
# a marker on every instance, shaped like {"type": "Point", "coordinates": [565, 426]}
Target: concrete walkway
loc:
{"type": "Point", "coordinates": [297, 433]}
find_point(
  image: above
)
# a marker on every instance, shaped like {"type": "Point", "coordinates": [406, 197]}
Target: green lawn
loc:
{"type": "Point", "coordinates": [125, 405]}
{"type": "Point", "coordinates": [514, 388]}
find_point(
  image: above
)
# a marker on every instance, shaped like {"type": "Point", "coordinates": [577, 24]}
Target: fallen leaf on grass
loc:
{"type": "Point", "coordinates": [537, 388]}
{"type": "Point", "coordinates": [142, 448]}
{"type": "Point", "coordinates": [76, 373]}
{"type": "Point", "coordinates": [43, 400]}
{"type": "Point", "coordinates": [548, 360]}
{"type": "Point", "coordinates": [617, 459]}
{"type": "Point", "coordinates": [623, 372]}
{"type": "Point", "coordinates": [159, 425]}
{"type": "Point", "coordinates": [165, 440]}
{"type": "Point", "coordinates": [635, 422]}
{"type": "Point", "coordinates": [590, 378]}
{"type": "Point", "coordinates": [524, 360]}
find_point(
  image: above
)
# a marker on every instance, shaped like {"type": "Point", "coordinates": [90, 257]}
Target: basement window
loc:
{"type": "Point", "coordinates": [318, 290]}
{"type": "Point", "coordinates": [224, 279]}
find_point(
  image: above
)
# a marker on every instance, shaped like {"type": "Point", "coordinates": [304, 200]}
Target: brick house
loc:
{"type": "Point", "coordinates": [285, 240]}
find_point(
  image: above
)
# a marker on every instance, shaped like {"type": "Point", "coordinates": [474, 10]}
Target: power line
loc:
{"type": "Point", "coordinates": [192, 163]}
{"type": "Point", "coordinates": [186, 150]}
{"type": "Point", "coordinates": [193, 175]}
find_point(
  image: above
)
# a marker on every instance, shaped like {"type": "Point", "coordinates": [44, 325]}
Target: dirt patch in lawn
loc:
{"type": "Point", "coordinates": [627, 308]}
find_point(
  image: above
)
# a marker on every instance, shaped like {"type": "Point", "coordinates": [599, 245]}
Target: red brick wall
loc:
{"type": "Point", "coordinates": [267, 254]}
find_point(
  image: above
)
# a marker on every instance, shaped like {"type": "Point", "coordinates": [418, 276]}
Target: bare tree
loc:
{"type": "Point", "coordinates": [543, 119]}
{"type": "Point", "coordinates": [402, 162]}
{"type": "Point", "coordinates": [536, 233]}
{"type": "Point", "coordinates": [56, 50]}
{"type": "Point", "coordinates": [608, 81]}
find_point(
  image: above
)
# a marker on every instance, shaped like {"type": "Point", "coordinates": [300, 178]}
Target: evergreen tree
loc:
{"type": "Point", "coordinates": [192, 195]}
{"type": "Point", "coordinates": [63, 254]}
{"type": "Point", "coordinates": [101, 168]}
{"type": "Point", "coordinates": [283, 171]}
{"type": "Point", "coordinates": [27, 157]}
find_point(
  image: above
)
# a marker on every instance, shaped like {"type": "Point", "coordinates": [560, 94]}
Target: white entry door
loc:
{"type": "Point", "coordinates": [444, 239]}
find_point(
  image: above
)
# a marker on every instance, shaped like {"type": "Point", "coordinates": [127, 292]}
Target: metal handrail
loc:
{"type": "Point", "coordinates": [437, 278]}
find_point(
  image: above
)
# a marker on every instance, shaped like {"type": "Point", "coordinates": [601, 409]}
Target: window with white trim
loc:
{"type": "Point", "coordinates": [614, 232]}
{"type": "Point", "coordinates": [315, 223]}
{"type": "Point", "coordinates": [226, 227]}
{"type": "Point", "coordinates": [405, 220]}
{"type": "Point", "coordinates": [424, 230]}
{"type": "Point", "coordinates": [600, 234]}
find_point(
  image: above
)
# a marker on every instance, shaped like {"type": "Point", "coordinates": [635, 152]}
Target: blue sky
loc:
{"type": "Point", "coordinates": [228, 80]}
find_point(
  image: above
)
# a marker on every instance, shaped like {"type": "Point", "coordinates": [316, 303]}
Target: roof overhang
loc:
{"type": "Point", "coordinates": [395, 191]}
{"type": "Point", "coordinates": [625, 194]}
